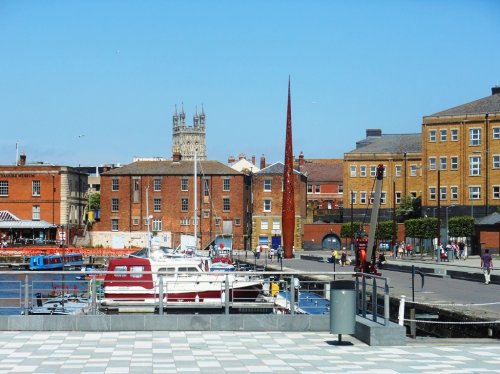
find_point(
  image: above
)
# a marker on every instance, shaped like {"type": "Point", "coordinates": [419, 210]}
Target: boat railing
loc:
{"type": "Point", "coordinates": [303, 292]}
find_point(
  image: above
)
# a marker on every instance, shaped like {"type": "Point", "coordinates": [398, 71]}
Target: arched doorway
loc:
{"type": "Point", "coordinates": [331, 242]}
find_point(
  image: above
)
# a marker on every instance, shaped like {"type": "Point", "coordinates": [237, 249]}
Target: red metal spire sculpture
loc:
{"type": "Point", "coordinates": [288, 209]}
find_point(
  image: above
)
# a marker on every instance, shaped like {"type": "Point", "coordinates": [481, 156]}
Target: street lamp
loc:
{"type": "Point", "coordinates": [447, 226]}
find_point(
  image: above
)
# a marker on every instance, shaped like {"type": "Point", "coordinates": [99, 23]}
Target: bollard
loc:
{"type": "Point", "coordinates": [342, 307]}
{"type": "Point", "coordinates": [401, 315]}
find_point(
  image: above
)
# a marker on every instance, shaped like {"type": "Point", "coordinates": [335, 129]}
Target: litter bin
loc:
{"type": "Point", "coordinates": [342, 307]}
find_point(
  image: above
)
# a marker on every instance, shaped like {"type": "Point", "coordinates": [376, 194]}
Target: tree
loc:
{"type": "Point", "coordinates": [461, 226]}
{"type": "Point", "coordinates": [422, 228]}
{"type": "Point", "coordinates": [384, 230]}
{"type": "Point", "coordinates": [345, 230]}
{"type": "Point", "coordinates": [410, 207]}
{"type": "Point", "coordinates": [94, 201]}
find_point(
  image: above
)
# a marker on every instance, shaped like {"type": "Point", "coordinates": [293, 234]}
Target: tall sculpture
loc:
{"type": "Point", "coordinates": [288, 209]}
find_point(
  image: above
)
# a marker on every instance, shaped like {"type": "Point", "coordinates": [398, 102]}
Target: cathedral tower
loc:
{"type": "Point", "coordinates": [187, 139]}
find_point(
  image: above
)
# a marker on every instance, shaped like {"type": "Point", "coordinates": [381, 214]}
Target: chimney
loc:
{"type": "Point", "coordinates": [253, 159]}
{"type": "Point", "coordinates": [176, 157]}
{"type": "Point", "coordinates": [22, 159]}
{"type": "Point", "coordinates": [301, 159]}
{"type": "Point", "coordinates": [495, 90]}
{"type": "Point", "coordinates": [373, 132]}
{"type": "Point", "coordinates": [262, 162]}
{"type": "Point", "coordinates": [241, 156]}
{"type": "Point", "coordinates": [230, 159]}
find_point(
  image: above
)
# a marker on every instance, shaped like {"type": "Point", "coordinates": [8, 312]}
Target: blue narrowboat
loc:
{"type": "Point", "coordinates": [56, 261]}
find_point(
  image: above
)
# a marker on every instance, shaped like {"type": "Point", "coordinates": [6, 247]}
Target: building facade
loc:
{"type": "Point", "coordinates": [188, 139]}
{"type": "Point", "coordinates": [42, 192]}
{"type": "Point", "coordinates": [162, 194]}
{"type": "Point", "coordinates": [401, 156]}
{"type": "Point", "coordinates": [267, 196]}
{"type": "Point", "coordinates": [461, 154]}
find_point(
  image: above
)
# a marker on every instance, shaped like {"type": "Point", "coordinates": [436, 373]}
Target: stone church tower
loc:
{"type": "Point", "coordinates": [187, 139]}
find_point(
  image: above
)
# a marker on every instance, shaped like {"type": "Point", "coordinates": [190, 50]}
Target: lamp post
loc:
{"type": "Point", "coordinates": [352, 223]}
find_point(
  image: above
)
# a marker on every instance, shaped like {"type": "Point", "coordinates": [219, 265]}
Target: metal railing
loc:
{"type": "Point", "coordinates": [21, 292]}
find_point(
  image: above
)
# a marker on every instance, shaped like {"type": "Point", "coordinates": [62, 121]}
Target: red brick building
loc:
{"type": "Point", "coordinates": [164, 189]}
{"type": "Point", "coordinates": [267, 190]}
{"type": "Point", "coordinates": [45, 199]}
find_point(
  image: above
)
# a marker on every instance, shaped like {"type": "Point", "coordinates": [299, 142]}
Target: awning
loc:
{"type": "Point", "coordinates": [26, 224]}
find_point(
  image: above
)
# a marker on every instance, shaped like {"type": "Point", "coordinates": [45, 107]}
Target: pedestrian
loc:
{"type": "Point", "coordinates": [461, 249]}
{"type": "Point", "coordinates": [449, 250]}
{"type": "Point", "coordinates": [343, 257]}
{"type": "Point", "coordinates": [456, 250]}
{"type": "Point", "coordinates": [258, 249]}
{"type": "Point", "coordinates": [271, 253]}
{"type": "Point", "coordinates": [408, 249]}
{"type": "Point", "coordinates": [279, 252]}
{"type": "Point", "coordinates": [487, 265]}
{"type": "Point", "coordinates": [400, 250]}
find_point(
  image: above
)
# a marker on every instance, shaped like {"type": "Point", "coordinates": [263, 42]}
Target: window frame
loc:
{"type": "Point", "coordinates": [157, 184]}
{"type": "Point", "coordinates": [432, 136]}
{"type": "Point", "coordinates": [36, 188]}
{"type": "Point", "coordinates": [184, 184]}
{"type": "Point", "coordinates": [4, 188]}
{"type": "Point", "coordinates": [36, 212]}
{"type": "Point", "coordinates": [115, 204]}
{"type": "Point", "coordinates": [266, 205]}
{"type": "Point", "coordinates": [474, 166]}
{"type": "Point", "coordinates": [115, 184]}
{"type": "Point", "coordinates": [267, 185]}
{"type": "Point", "coordinates": [475, 136]}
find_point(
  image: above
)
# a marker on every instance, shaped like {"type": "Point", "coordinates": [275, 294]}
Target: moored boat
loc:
{"type": "Point", "coordinates": [56, 261]}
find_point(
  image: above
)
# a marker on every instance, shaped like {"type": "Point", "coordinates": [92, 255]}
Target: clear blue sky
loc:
{"type": "Point", "coordinates": [113, 72]}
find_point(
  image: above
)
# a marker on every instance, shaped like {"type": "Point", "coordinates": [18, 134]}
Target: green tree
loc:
{"type": "Point", "coordinates": [410, 207]}
{"type": "Point", "coordinates": [94, 201]}
{"type": "Point", "coordinates": [422, 228]}
{"type": "Point", "coordinates": [345, 230]}
{"type": "Point", "coordinates": [384, 230]}
{"type": "Point", "coordinates": [461, 226]}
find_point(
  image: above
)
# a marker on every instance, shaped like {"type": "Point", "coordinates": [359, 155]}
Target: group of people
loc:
{"type": "Point", "coordinates": [404, 249]}
{"type": "Point", "coordinates": [453, 249]}
{"type": "Point", "coordinates": [272, 253]}
{"type": "Point", "coordinates": [342, 259]}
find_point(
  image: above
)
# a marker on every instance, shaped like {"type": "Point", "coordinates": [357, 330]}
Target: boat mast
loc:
{"type": "Point", "coordinates": [147, 220]}
{"type": "Point", "coordinates": [195, 202]}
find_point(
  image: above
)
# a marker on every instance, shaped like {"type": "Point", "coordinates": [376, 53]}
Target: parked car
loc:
{"type": "Point", "coordinates": [384, 246]}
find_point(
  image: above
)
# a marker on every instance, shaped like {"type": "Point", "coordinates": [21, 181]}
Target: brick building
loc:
{"type": "Point", "coordinates": [47, 198]}
{"type": "Point", "coordinates": [165, 191]}
{"type": "Point", "coordinates": [402, 157]}
{"type": "Point", "coordinates": [267, 193]}
{"type": "Point", "coordinates": [324, 188]}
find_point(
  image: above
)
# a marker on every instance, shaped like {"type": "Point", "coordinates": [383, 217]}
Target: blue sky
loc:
{"type": "Point", "coordinates": [113, 72]}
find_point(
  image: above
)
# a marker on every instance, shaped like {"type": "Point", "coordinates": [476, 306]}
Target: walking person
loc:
{"type": "Point", "coordinates": [461, 249]}
{"type": "Point", "coordinates": [486, 265]}
{"type": "Point", "coordinates": [343, 257]}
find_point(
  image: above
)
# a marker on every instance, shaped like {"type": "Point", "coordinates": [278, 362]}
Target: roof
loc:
{"type": "Point", "coordinates": [183, 167]}
{"type": "Point", "coordinates": [390, 143]}
{"type": "Point", "coordinates": [276, 168]}
{"type": "Point", "coordinates": [317, 172]}
{"type": "Point", "coordinates": [244, 164]}
{"type": "Point", "coordinates": [489, 104]}
{"type": "Point", "coordinates": [10, 221]}
{"type": "Point", "coordinates": [492, 219]}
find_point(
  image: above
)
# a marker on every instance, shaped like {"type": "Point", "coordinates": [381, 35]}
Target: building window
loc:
{"type": "Point", "coordinates": [432, 193]}
{"type": "Point", "coordinates": [353, 170]}
{"type": "Point", "coordinates": [362, 197]}
{"type": "Point", "coordinates": [36, 213]}
{"type": "Point", "coordinates": [443, 164]}
{"type": "Point", "coordinates": [341, 188]}
{"type": "Point", "coordinates": [184, 204]}
{"type": "Point", "coordinates": [398, 170]}
{"type": "Point", "coordinates": [454, 135]}
{"type": "Point", "coordinates": [309, 188]}
{"type": "Point", "coordinates": [474, 192]}
{"type": "Point", "coordinates": [237, 221]}
{"type": "Point", "coordinates": [454, 163]}
{"type": "Point", "coordinates": [398, 197]}
{"type": "Point", "coordinates": [156, 204]}
{"type": "Point", "coordinates": [496, 162]}
{"type": "Point", "coordinates": [264, 224]}
{"type": "Point", "coordinates": [353, 197]}
{"type": "Point", "coordinates": [372, 197]}
{"type": "Point", "coordinates": [206, 213]}
{"type": "Point", "coordinates": [136, 190]}
{"type": "Point", "coordinates": [226, 205]}
{"type": "Point", "coordinates": [267, 185]}
{"type": "Point", "coordinates": [383, 197]}
{"type": "Point", "coordinates": [4, 188]}
{"type": "Point", "coordinates": [443, 193]}
{"type": "Point", "coordinates": [496, 132]}
{"type": "Point", "coordinates": [443, 135]}
{"type": "Point", "coordinates": [454, 193]}
{"type": "Point", "coordinates": [184, 184]}
{"type": "Point", "coordinates": [373, 170]}
{"type": "Point", "coordinates": [115, 204]}
{"type": "Point", "coordinates": [475, 137]}
{"type": "Point", "coordinates": [35, 188]}
{"type": "Point", "coordinates": [157, 225]}
{"type": "Point", "coordinates": [432, 163]}
{"type": "Point", "coordinates": [217, 221]}
{"type": "Point", "coordinates": [135, 221]}
{"type": "Point", "coordinates": [413, 170]}
{"type": "Point", "coordinates": [496, 192]}
{"type": "Point", "coordinates": [267, 205]}
{"type": "Point", "coordinates": [184, 221]}
{"type": "Point", "coordinates": [432, 135]}
{"type": "Point", "coordinates": [413, 194]}
{"type": "Point", "coordinates": [157, 184]}
{"type": "Point", "coordinates": [317, 188]}
{"type": "Point", "coordinates": [226, 184]}
{"type": "Point", "coordinates": [474, 165]}
{"type": "Point", "coordinates": [276, 224]}
{"type": "Point", "coordinates": [114, 224]}
{"type": "Point", "coordinates": [115, 184]}
{"type": "Point", "coordinates": [206, 189]}
{"type": "Point", "coordinates": [362, 171]}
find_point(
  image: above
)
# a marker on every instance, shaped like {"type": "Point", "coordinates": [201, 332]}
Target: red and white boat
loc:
{"type": "Point", "coordinates": [136, 279]}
